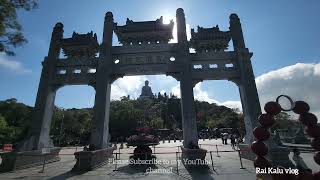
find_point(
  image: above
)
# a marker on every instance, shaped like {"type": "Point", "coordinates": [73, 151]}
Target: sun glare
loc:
{"type": "Point", "coordinates": [167, 19]}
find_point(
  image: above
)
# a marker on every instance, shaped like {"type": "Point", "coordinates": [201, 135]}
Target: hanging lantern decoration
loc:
{"type": "Point", "coordinates": [266, 120]}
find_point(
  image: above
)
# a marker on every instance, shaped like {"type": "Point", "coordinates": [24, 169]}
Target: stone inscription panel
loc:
{"type": "Point", "coordinates": [137, 59]}
{"type": "Point", "coordinates": [141, 69]}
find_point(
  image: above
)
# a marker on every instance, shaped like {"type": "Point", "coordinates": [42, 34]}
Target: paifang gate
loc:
{"type": "Point", "coordinates": [144, 51]}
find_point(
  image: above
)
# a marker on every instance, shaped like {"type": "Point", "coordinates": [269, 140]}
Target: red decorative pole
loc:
{"type": "Point", "coordinates": [261, 134]}
{"type": "Point", "coordinates": [266, 120]}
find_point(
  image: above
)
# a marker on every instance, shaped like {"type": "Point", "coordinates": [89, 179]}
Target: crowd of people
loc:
{"type": "Point", "coordinates": [234, 139]}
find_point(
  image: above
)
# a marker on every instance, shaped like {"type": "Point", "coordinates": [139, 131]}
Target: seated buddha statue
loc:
{"type": "Point", "coordinates": [146, 90]}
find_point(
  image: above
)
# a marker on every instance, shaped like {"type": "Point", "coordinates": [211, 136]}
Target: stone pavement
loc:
{"type": "Point", "coordinates": [226, 166]}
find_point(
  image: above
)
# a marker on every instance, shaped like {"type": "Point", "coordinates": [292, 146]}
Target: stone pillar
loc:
{"type": "Point", "coordinates": [250, 99]}
{"type": "Point", "coordinates": [100, 124]}
{"type": "Point", "coordinates": [42, 115]}
{"type": "Point", "coordinates": [247, 86]}
{"type": "Point", "coordinates": [189, 125]}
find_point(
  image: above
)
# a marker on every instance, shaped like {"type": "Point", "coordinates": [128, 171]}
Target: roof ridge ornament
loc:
{"type": "Point", "coordinates": [144, 32]}
{"type": "Point", "coordinates": [78, 45]}
{"type": "Point", "coordinates": [209, 39]}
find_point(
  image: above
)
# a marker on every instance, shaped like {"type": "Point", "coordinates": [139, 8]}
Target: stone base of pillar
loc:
{"type": "Point", "coordinates": [28, 144]}
{"type": "Point", "coordinates": [277, 155]}
{"type": "Point", "coordinates": [24, 159]}
{"type": "Point", "coordinates": [193, 157]}
{"type": "Point", "coordinates": [89, 160]}
{"type": "Point", "coordinates": [246, 152]}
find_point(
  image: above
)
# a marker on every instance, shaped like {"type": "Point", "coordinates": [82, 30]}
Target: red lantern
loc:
{"type": "Point", "coordinates": [315, 144]}
{"type": "Point", "coordinates": [266, 120]}
{"type": "Point", "coordinates": [261, 133]}
{"type": "Point", "coordinates": [313, 131]}
{"type": "Point", "coordinates": [301, 107]}
{"type": "Point", "coordinates": [316, 157]}
{"type": "Point", "coordinates": [261, 162]}
{"type": "Point", "coordinates": [272, 108]}
{"type": "Point", "coordinates": [308, 119]}
{"type": "Point", "coordinates": [259, 148]}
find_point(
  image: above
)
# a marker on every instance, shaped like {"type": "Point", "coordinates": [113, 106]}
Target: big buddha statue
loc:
{"type": "Point", "coordinates": [146, 91]}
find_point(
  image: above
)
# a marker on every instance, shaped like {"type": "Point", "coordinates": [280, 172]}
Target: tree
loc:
{"type": "Point", "coordinates": [156, 123]}
{"type": "Point", "coordinates": [69, 126]}
{"type": "Point", "coordinates": [283, 121]}
{"type": "Point", "coordinates": [212, 123]}
{"type": "Point", "coordinates": [10, 29]}
{"type": "Point", "coordinates": [6, 132]}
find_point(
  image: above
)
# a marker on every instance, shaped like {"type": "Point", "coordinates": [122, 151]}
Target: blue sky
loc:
{"type": "Point", "coordinates": [279, 33]}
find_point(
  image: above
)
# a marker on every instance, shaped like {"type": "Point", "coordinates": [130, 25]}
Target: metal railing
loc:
{"type": "Point", "coordinates": [117, 155]}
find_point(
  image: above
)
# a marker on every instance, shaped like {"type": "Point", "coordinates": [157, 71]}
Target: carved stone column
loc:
{"type": "Point", "coordinates": [250, 99]}
{"type": "Point", "coordinates": [42, 115]}
{"type": "Point", "coordinates": [100, 124]}
{"type": "Point", "coordinates": [247, 86]}
{"type": "Point", "coordinates": [38, 143]}
{"type": "Point", "coordinates": [189, 125]}
{"type": "Point", "coordinates": [249, 95]}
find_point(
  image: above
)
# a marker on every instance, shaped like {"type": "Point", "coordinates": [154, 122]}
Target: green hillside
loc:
{"type": "Point", "coordinates": [125, 115]}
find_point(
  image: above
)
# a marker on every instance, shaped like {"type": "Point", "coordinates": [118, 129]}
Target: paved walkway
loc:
{"type": "Point", "coordinates": [226, 166]}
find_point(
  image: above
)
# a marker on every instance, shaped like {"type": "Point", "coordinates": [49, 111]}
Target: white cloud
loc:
{"type": "Point", "coordinates": [12, 65]}
{"type": "Point", "coordinates": [233, 104]}
{"type": "Point", "coordinates": [202, 95]}
{"type": "Point", "coordinates": [300, 81]}
{"type": "Point", "coordinates": [127, 85]}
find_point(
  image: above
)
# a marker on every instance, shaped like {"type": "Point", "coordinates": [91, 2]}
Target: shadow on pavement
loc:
{"type": "Point", "coordinates": [203, 172]}
{"type": "Point", "coordinates": [130, 169]}
{"type": "Point", "coordinates": [66, 175]}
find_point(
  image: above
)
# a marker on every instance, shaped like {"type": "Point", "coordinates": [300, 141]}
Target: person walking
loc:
{"type": "Point", "coordinates": [233, 140]}
{"type": "Point", "coordinates": [225, 137]}
{"type": "Point", "coordinates": [222, 138]}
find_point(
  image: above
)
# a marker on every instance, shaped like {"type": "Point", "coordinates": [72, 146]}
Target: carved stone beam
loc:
{"type": "Point", "coordinates": [92, 84]}
{"type": "Point", "coordinates": [196, 81]}
{"type": "Point", "coordinates": [176, 76]}
{"type": "Point", "coordinates": [55, 87]}
{"type": "Point", "coordinates": [235, 80]}
{"type": "Point", "coordinates": [114, 77]}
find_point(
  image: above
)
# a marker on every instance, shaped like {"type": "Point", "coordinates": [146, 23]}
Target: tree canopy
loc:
{"type": "Point", "coordinates": [11, 34]}
{"type": "Point", "coordinates": [72, 126]}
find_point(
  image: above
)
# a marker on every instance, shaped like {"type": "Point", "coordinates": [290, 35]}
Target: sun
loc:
{"type": "Point", "coordinates": [168, 18]}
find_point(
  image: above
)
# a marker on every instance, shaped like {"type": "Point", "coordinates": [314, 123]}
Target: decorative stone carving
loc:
{"type": "Point", "coordinates": [80, 45]}
{"type": "Point", "coordinates": [144, 32]}
{"type": "Point", "coordinates": [151, 54]}
{"type": "Point", "coordinates": [155, 58]}
{"type": "Point", "coordinates": [209, 39]}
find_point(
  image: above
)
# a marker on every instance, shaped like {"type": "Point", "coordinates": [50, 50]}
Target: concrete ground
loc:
{"type": "Point", "coordinates": [226, 165]}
